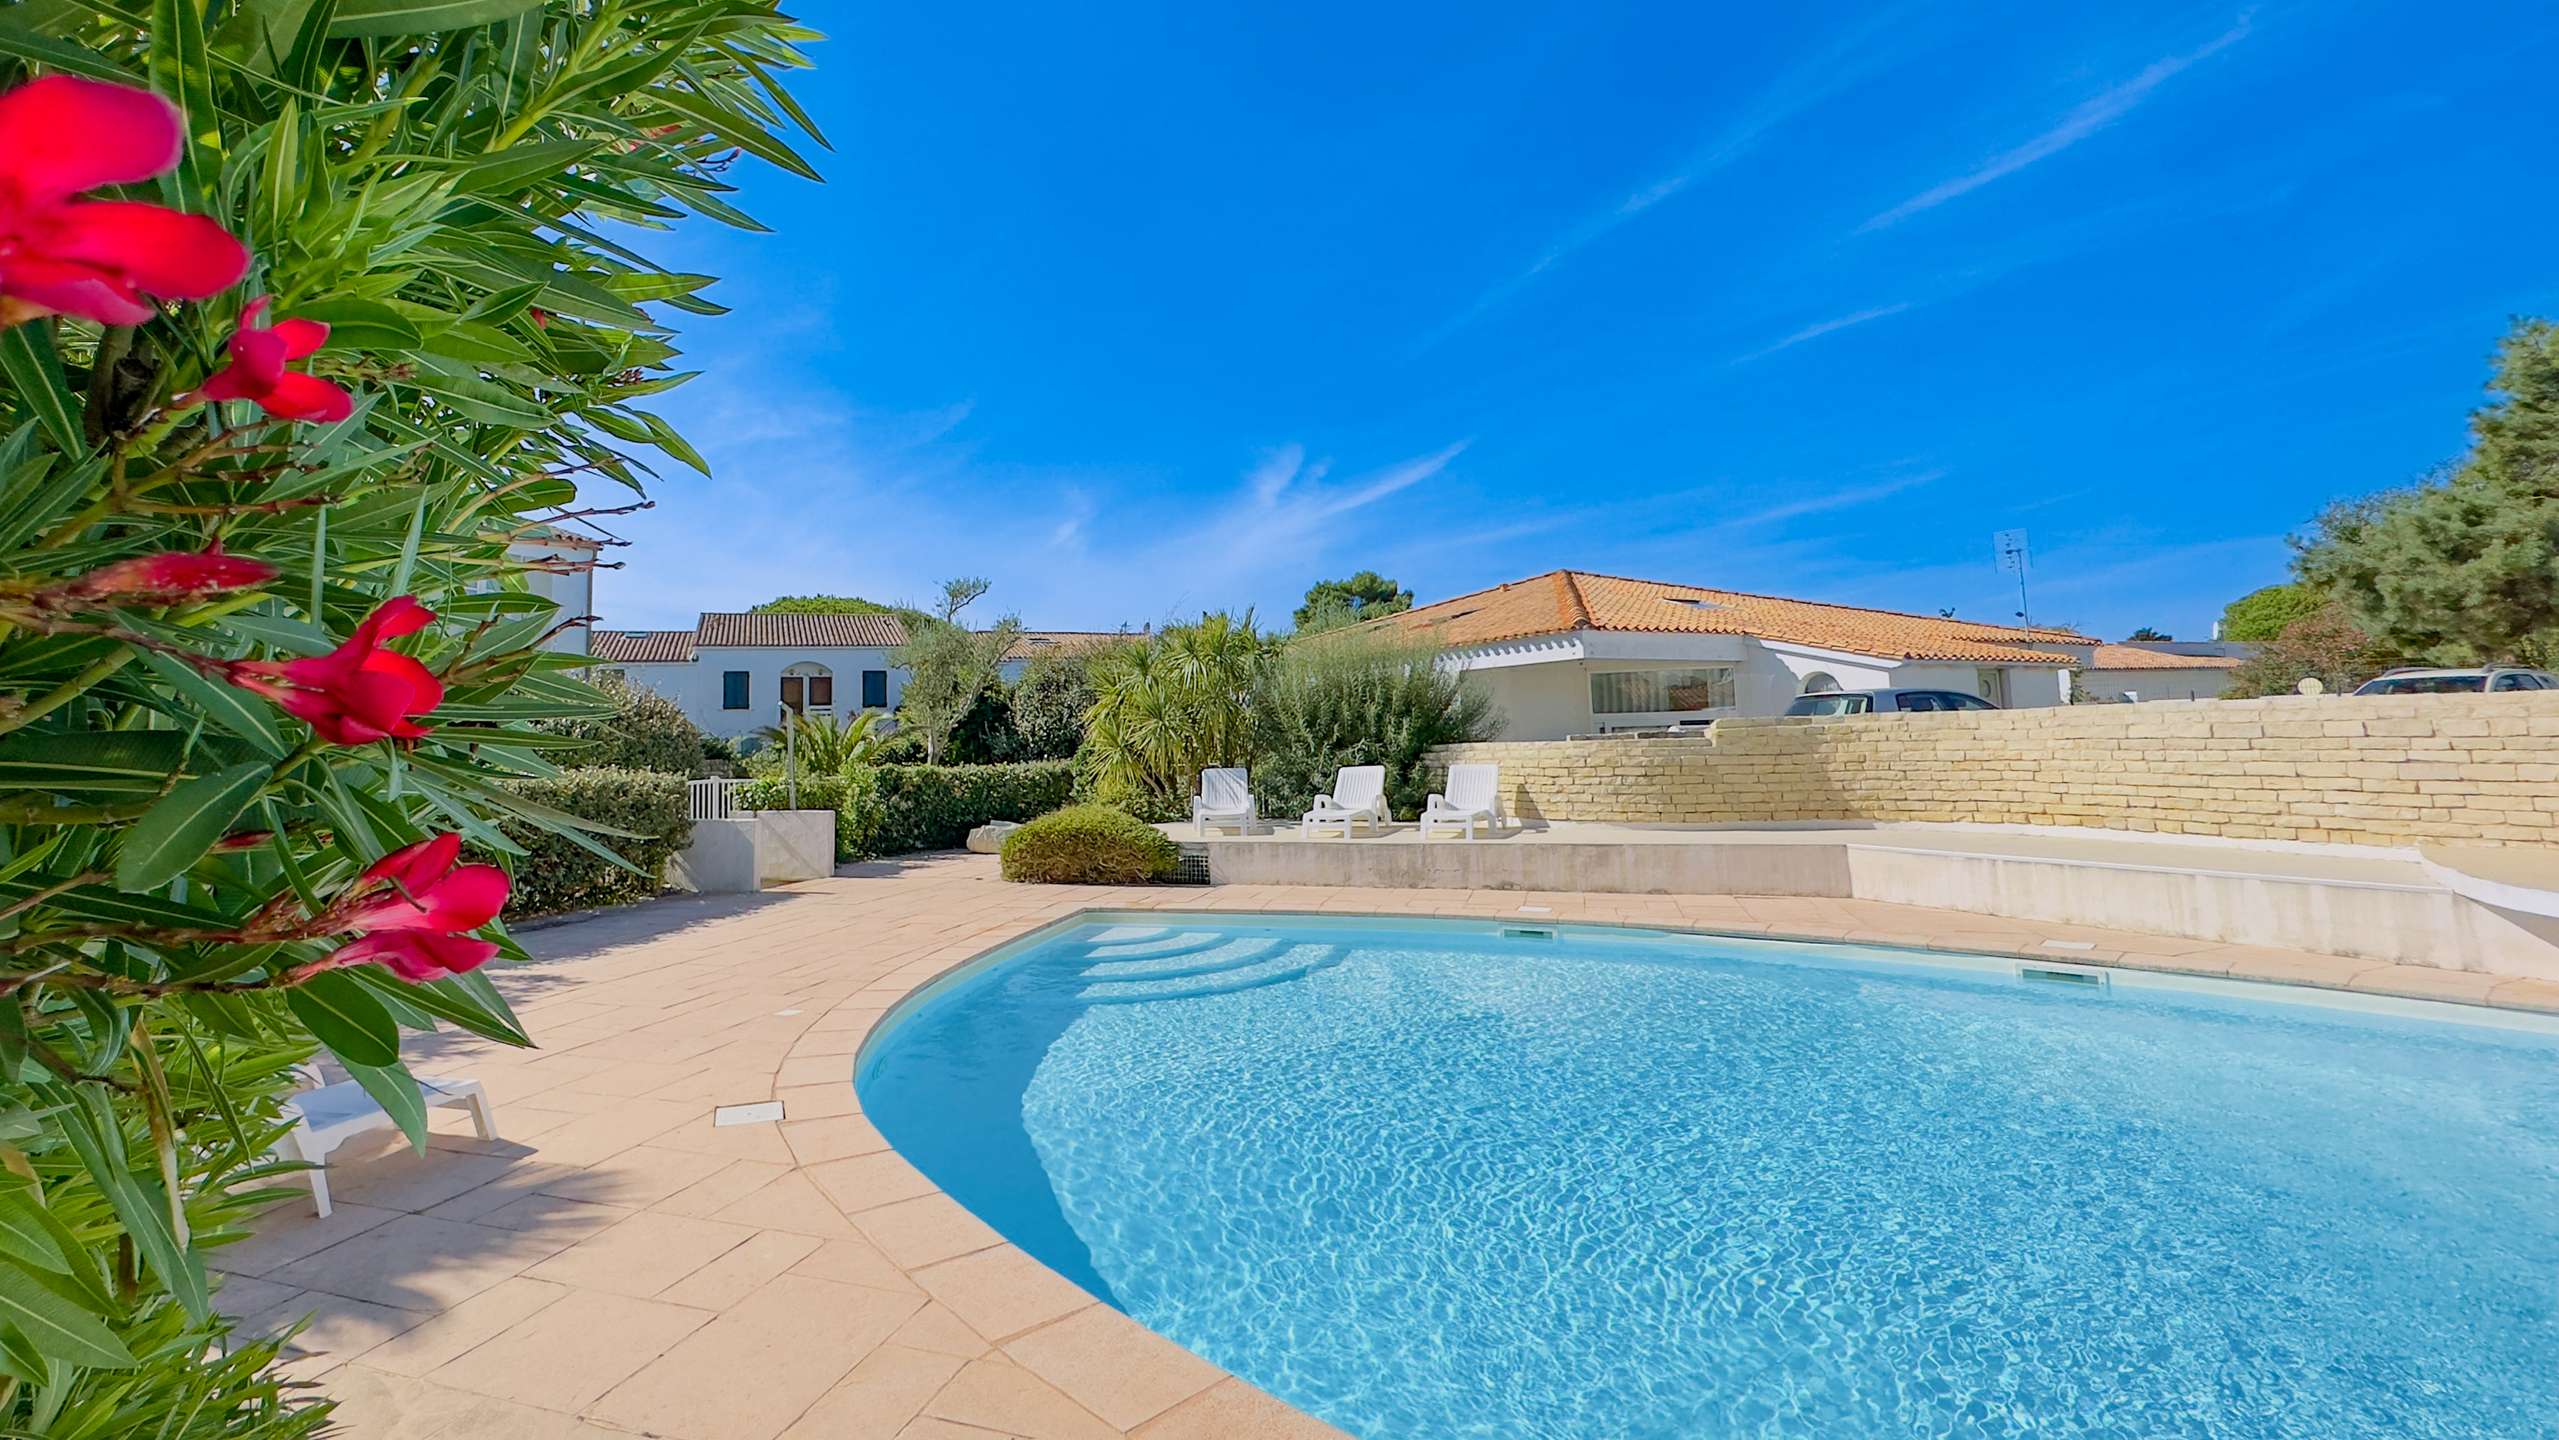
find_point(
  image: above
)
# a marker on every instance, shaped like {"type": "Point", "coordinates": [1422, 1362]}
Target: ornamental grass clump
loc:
{"type": "Point", "coordinates": [305, 319]}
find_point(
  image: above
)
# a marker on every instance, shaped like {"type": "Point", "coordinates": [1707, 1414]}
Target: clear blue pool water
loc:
{"type": "Point", "coordinates": [1423, 1180]}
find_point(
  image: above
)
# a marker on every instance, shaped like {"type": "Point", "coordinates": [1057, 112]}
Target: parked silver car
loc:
{"type": "Point", "coordinates": [1873, 702]}
{"type": "Point", "coordinates": [2466, 680]}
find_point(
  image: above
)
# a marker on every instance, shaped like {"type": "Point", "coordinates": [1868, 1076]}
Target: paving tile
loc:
{"type": "Point", "coordinates": [453, 1333]}
{"type": "Point", "coordinates": [810, 1102]}
{"type": "Point", "coordinates": [1233, 1410]}
{"type": "Point", "coordinates": [1001, 1292]}
{"type": "Point", "coordinates": [549, 1216]}
{"type": "Point", "coordinates": [833, 1137]}
{"type": "Point", "coordinates": [417, 1262]}
{"type": "Point", "coordinates": [998, 1395]}
{"type": "Point", "coordinates": [521, 1178]}
{"type": "Point", "coordinates": [855, 1262]}
{"type": "Point", "coordinates": [925, 1229]}
{"type": "Point", "coordinates": [734, 1181]}
{"type": "Point", "coordinates": [1113, 1366]}
{"type": "Point", "coordinates": [937, 1329]}
{"type": "Point", "coordinates": [861, 1182]}
{"type": "Point", "coordinates": [643, 1254]}
{"type": "Point", "coordinates": [798, 1337]}
{"type": "Point", "coordinates": [570, 1352]}
{"type": "Point", "coordinates": [406, 1180]}
{"type": "Point", "coordinates": [290, 1231]}
{"type": "Point", "coordinates": [879, 1398]}
{"type": "Point", "coordinates": [334, 1330]}
{"type": "Point", "coordinates": [591, 1138]}
{"type": "Point", "coordinates": [730, 1142]}
{"type": "Point", "coordinates": [638, 1177]}
{"type": "Point", "coordinates": [790, 1203]}
{"type": "Point", "coordinates": [745, 1270]}
{"type": "Point", "coordinates": [241, 1296]}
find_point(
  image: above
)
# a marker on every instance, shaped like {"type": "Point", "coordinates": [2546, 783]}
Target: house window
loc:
{"type": "Point", "coordinates": [875, 689]}
{"type": "Point", "coordinates": [1991, 683]}
{"type": "Point", "coordinates": [808, 686]}
{"type": "Point", "coordinates": [1661, 692]}
{"type": "Point", "coordinates": [732, 689]}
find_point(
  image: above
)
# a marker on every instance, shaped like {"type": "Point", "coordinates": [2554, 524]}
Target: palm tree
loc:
{"type": "Point", "coordinates": [826, 744]}
{"type": "Point", "coordinates": [1166, 710]}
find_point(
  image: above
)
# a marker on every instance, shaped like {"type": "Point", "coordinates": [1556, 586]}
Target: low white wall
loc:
{"type": "Point", "coordinates": [742, 855]}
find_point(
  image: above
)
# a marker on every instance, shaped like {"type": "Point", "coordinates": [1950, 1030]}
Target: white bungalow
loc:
{"type": "Point", "coordinates": [733, 672]}
{"type": "Point", "coordinates": [1574, 653]}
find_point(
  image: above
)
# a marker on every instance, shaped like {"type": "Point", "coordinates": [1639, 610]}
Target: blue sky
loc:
{"type": "Point", "coordinates": [1160, 308]}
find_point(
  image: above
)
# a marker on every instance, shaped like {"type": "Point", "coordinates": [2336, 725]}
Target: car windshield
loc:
{"type": "Point", "coordinates": [1830, 705]}
{"type": "Point", "coordinates": [2426, 685]}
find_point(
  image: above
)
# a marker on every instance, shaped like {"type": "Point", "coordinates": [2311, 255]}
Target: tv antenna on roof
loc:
{"type": "Point", "coordinates": [2011, 545]}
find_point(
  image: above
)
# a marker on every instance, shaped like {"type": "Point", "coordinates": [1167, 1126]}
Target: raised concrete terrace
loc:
{"type": "Point", "coordinates": [620, 1265]}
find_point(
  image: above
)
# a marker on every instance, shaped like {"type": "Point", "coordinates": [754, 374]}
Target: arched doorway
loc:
{"type": "Point", "coordinates": [809, 688]}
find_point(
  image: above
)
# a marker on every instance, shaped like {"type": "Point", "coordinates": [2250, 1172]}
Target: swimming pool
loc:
{"type": "Point", "coordinates": [1432, 1179]}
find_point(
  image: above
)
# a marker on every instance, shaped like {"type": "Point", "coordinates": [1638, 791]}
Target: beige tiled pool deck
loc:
{"type": "Point", "coordinates": [619, 1265]}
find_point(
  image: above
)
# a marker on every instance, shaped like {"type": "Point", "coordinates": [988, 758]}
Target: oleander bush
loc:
{"type": "Point", "coordinates": [1089, 845]}
{"type": "Point", "coordinates": [307, 312]}
{"type": "Point", "coordinates": [556, 874]}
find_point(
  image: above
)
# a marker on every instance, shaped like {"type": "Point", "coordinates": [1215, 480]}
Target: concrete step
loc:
{"type": "Point", "coordinates": [1291, 964]}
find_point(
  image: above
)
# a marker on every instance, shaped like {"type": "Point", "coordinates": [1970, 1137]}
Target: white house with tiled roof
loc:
{"type": "Point", "coordinates": [1575, 653]}
{"type": "Point", "coordinates": [733, 671]}
{"type": "Point", "coordinates": [2158, 672]}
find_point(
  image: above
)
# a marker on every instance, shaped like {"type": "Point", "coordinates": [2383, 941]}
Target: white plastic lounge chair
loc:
{"type": "Point", "coordinates": [1474, 794]}
{"type": "Point", "coordinates": [1359, 793]}
{"type": "Point", "coordinates": [328, 1116]}
{"type": "Point", "coordinates": [1225, 798]}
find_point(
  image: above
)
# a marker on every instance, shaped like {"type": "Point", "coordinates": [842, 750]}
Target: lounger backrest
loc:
{"type": "Point", "coordinates": [1356, 787]}
{"type": "Point", "coordinates": [1224, 790]}
{"type": "Point", "coordinates": [1474, 787]}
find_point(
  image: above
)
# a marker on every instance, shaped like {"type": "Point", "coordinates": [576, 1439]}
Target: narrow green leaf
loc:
{"type": "Point", "coordinates": [35, 372]}
{"type": "Point", "coordinates": [421, 17]}
{"type": "Point", "coordinates": [234, 709]}
{"type": "Point", "coordinates": [98, 1139]}
{"type": "Point", "coordinates": [356, 324]}
{"type": "Point", "coordinates": [396, 1091]}
{"type": "Point", "coordinates": [344, 1016]}
{"type": "Point", "coordinates": [58, 1329]}
{"type": "Point", "coordinates": [175, 833]}
{"type": "Point", "coordinates": [479, 1011]}
{"type": "Point", "coordinates": [735, 128]}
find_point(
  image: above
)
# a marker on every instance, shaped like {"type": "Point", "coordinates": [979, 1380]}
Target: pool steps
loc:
{"type": "Point", "coordinates": [1190, 973]}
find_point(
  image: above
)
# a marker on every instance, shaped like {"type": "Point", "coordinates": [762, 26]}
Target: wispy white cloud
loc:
{"type": "Point", "coordinates": [1824, 502]}
{"type": "Point", "coordinates": [1826, 327]}
{"type": "Point", "coordinates": [1847, 61]}
{"type": "Point", "coordinates": [2084, 120]}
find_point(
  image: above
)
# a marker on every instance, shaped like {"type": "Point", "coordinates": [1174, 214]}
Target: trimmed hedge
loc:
{"type": "Point", "coordinates": [894, 809]}
{"type": "Point", "coordinates": [934, 807]}
{"type": "Point", "coordinates": [646, 731]}
{"type": "Point", "coordinates": [1089, 845]}
{"type": "Point", "coordinates": [555, 875]}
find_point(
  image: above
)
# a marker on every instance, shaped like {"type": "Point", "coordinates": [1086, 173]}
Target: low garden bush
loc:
{"type": "Point", "coordinates": [1089, 845]}
{"type": "Point", "coordinates": [854, 797]}
{"type": "Point", "coordinates": [646, 731]}
{"type": "Point", "coordinates": [556, 873]}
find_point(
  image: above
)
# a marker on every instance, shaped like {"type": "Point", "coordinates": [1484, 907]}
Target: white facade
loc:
{"type": "Point", "coordinates": [1592, 681]}
{"type": "Point", "coordinates": [718, 675]}
{"type": "Point", "coordinates": [571, 589]}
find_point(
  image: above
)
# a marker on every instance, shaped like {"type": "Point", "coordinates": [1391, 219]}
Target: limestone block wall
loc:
{"type": "Point", "coordinates": [2383, 770]}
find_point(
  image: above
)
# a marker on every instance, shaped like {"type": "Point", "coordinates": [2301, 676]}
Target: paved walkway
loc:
{"type": "Point", "coordinates": [619, 1265]}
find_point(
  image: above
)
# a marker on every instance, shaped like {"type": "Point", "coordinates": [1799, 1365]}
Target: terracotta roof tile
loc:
{"type": "Point", "coordinates": [644, 647]}
{"type": "Point", "coordinates": [1065, 642]}
{"type": "Point", "coordinates": [2133, 657]}
{"type": "Point", "coordinates": [799, 632]}
{"type": "Point", "coordinates": [1562, 601]}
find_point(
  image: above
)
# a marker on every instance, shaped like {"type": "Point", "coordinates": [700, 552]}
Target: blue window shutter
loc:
{"type": "Point", "coordinates": [733, 690]}
{"type": "Point", "coordinates": [875, 689]}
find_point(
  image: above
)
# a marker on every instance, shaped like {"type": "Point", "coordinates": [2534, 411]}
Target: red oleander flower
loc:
{"type": "Point", "coordinates": [412, 910]}
{"type": "Point", "coordinates": [97, 259]}
{"type": "Point", "coordinates": [257, 374]}
{"type": "Point", "coordinates": [359, 692]}
{"type": "Point", "coordinates": [170, 577]}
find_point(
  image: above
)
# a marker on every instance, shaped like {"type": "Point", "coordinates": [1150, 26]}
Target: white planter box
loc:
{"type": "Point", "coordinates": [749, 851]}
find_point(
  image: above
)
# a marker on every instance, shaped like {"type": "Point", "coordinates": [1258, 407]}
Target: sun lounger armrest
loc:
{"type": "Point", "coordinates": [1438, 802]}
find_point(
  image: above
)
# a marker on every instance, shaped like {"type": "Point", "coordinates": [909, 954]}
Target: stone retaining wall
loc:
{"type": "Point", "coordinates": [2366, 771]}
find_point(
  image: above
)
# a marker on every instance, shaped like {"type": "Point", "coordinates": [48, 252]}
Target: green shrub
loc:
{"type": "Point", "coordinates": [1089, 845]}
{"type": "Point", "coordinates": [646, 731]}
{"type": "Point", "coordinates": [854, 796]}
{"type": "Point", "coordinates": [556, 874]}
{"type": "Point", "coordinates": [1355, 700]}
{"type": "Point", "coordinates": [1049, 704]}
{"type": "Point", "coordinates": [934, 807]}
